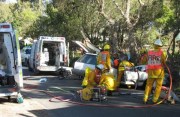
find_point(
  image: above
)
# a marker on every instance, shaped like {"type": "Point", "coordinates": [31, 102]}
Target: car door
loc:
{"type": "Point", "coordinates": [32, 56]}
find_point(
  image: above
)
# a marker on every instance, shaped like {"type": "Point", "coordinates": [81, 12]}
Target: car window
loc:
{"type": "Point", "coordinates": [88, 59]}
{"type": "Point", "coordinates": [28, 51]}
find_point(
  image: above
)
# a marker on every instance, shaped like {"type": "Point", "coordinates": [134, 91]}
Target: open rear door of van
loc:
{"type": "Point", "coordinates": [11, 76]}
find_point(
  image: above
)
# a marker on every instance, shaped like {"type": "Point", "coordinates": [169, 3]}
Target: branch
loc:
{"type": "Point", "coordinates": [125, 15]}
{"type": "Point", "coordinates": [127, 12]}
{"type": "Point", "coordinates": [117, 6]}
{"type": "Point", "coordinates": [141, 3]}
{"type": "Point", "coordinates": [110, 20]}
{"type": "Point", "coordinates": [101, 11]}
{"type": "Point", "coordinates": [83, 34]}
{"type": "Point", "coordinates": [139, 12]}
{"type": "Point", "coordinates": [127, 8]}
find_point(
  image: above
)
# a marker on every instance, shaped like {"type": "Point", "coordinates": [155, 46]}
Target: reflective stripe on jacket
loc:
{"type": "Point", "coordinates": [104, 58]}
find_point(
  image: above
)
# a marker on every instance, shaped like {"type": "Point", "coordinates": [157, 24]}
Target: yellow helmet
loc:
{"type": "Point", "coordinates": [107, 47]}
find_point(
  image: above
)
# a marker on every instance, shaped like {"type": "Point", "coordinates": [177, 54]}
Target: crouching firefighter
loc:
{"type": "Point", "coordinates": [90, 83]}
{"type": "Point", "coordinates": [155, 60]}
{"type": "Point", "coordinates": [96, 83]}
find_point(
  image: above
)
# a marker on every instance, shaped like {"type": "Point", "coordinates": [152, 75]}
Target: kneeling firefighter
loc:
{"type": "Point", "coordinates": [97, 80]}
{"type": "Point", "coordinates": [92, 77]}
{"type": "Point", "coordinates": [155, 60]}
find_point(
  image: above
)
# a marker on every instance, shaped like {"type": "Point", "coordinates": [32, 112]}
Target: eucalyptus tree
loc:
{"type": "Point", "coordinates": [82, 20]}
{"type": "Point", "coordinates": [173, 24]}
{"type": "Point", "coordinates": [24, 15]}
{"type": "Point", "coordinates": [73, 19]}
{"type": "Point", "coordinates": [129, 13]}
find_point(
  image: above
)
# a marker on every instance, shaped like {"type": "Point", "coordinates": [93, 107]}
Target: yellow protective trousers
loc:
{"type": "Point", "coordinates": [149, 85]}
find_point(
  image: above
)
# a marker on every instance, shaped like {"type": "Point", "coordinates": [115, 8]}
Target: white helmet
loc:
{"type": "Point", "coordinates": [158, 42]}
{"type": "Point", "coordinates": [100, 66]}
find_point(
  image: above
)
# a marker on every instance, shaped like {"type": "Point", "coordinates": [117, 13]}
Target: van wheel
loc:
{"type": "Point", "coordinates": [36, 71]}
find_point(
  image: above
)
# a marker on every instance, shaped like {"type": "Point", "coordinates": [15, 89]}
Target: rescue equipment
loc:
{"type": "Point", "coordinates": [93, 94]}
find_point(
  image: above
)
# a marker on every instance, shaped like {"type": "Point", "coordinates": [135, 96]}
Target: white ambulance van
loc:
{"type": "Point", "coordinates": [49, 54]}
{"type": "Point", "coordinates": [11, 76]}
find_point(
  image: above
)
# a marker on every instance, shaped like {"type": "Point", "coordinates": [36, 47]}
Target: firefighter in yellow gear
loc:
{"type": "Point", "coordinates": [85, 80]}
{"type": "Point", "coordinates": [104, 57]}
{"type": "Point", "coordinates": [155, 60]}
{"type": "Point", "coordinates": [96, 78]}
{"type": "Point", "coordinates": [92, 77]}
{"type": "Point", "coordinates": [124, 65]}
{"type": "Point", "coordinates": [107, 80]}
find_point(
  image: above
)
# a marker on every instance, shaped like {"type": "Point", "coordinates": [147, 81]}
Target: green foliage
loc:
{"type": "Point", "coordinates": [69, 17]}
{"type": "Point", "coordinates": [167, 15]}
{"type": "Point", "coordinates": [23, 17]}
{"type": "Point", "coordinates": [6, 14]}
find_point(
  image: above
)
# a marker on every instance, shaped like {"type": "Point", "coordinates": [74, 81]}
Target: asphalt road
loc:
{"type": "Point", "coordinates": [119, 105]}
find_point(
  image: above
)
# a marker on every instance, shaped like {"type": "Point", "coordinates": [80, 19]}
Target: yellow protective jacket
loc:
{"type": "Point", "coordinates": [107, 80]}
{"type": "Point", "coordinates": [155, 73]}
{"type": "Point", "coordinates": [89, 79]}
{"type": "Point", "coordinates": [123, 64]}
{"type": "Point", "coordinates": [105, 59]}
